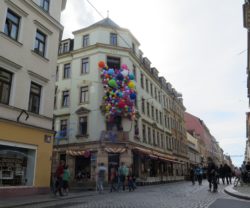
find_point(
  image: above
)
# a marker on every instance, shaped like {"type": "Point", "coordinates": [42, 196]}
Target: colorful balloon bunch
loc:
{"type": "Point", "coordinates": [120, 95]}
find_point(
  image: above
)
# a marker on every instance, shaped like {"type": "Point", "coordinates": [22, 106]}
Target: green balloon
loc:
{"type": "Point", "coordinates": [112, 83]}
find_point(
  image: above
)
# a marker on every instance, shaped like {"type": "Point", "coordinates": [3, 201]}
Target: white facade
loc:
{"type": "Point", "coordinates": [160, 129]}
{"type": "Point", "coordinates": [26, 66]}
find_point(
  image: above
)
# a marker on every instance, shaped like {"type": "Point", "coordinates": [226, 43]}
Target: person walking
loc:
{"type": "Point", "coordinates": [212, 175]}
{"type": "Point", "coordinates": [192, 175]}
{"type": "Point", "coordinates": [199, 174]}
{"type": "Point", "coordinates": [222, 174]}
{"type": "Point", "coordinates": [122, 174]}
{"type": "Point", "coordinates": [101, 172]}
{"type": "Point", "coordinates": [228, 173]}
{"type": "Point", "coordinates": [66, 177]}
{"type": "Point", "coordinates": [113, 177]}
{"type": "Point", "coordinates": [59, 177]}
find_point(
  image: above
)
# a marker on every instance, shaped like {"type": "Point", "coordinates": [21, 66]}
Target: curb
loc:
{"type": "Point", "coordinates": [53, 198]}
{"type": "Point", "coordinates": [229, 190]}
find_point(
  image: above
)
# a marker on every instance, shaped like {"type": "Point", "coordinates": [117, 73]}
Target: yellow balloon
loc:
{"type": "Point", "coordinates": [131, 85]}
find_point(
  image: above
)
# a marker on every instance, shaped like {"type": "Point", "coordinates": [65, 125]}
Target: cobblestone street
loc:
{"type": "Point", "coordinates": [174, 195]}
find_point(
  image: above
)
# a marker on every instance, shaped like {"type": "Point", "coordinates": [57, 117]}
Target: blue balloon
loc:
{"type": "Point", "coordinates": [132, 96]}
{"type": "Point", "coordinates": [131, 76]}
{"type": "Point", "coordinates": [111, 71]}
{"type": "Point", "coordinates": [119, 77]}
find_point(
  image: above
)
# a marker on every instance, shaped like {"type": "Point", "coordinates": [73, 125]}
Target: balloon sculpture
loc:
{"type": "Point", "coordinates": [119, 92]}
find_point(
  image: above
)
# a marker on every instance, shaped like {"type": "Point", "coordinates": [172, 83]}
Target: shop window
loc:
{"type": "Point", "coordinates": [5, 86]}
{"type": "Point", "coordinates": [16, 166]}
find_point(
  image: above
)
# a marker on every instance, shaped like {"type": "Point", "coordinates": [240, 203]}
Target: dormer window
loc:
{"type": "Point", "coordinates": [45, 5]}
{"type": "Point", "coordinates": [85, 41]}
{"type": "Point", "coordinates": [113, 39]}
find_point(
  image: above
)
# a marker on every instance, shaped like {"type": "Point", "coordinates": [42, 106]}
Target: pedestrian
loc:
{"type": "Point", "coordinates": [101, 172]}
{"type": "Point", "coordinates": [113, 178]}
{"type": "Point", "coordinates": [212, 175]}
{"type": "Point", "coordinates": [192, 175]}
{"type": "Point", "coordinates": [222, 174]}
{"type": "Point", "coordinates": [199, 174]}
{"type": "Point", "coordinates": [66, 177]}
{"type": "Point", "coordinates": [122, 174]}
{"type": "Point", "coordinates": [59, 177]}
{"type": "Point", "coordinates": [130, 180]}
{"type": "Point", "coordinates": [228, 173]}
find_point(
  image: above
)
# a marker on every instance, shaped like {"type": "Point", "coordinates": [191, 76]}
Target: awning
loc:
{"type": "Point", "coordinates": [115, 150]}
{"type": "Point", "coordinates": [142, 150]}
{"type": "Point", "coordinates": [84, 153]}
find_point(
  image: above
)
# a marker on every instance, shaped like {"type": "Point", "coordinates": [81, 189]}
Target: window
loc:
{"type": "Point", "coordinates": [65, 98]}
{"type": "Point", "coordinates": [12, 24]}
{"type": "Point", "coordinates": [134, 71]}
{"type": "Point", "coordinates": [5, 86]}
{"type": "Point", "coordinates": [161, 118]}
{"type": "Point", "coordinates": [159, 96]}
{"type": "Point", "coordinates": [149, 135]}
{"type": "Point", "coordinates": [113, 39]}
{"type": "Point", "coordinates": [133, 47]}
{"type": "Point", "coordinates": [144, 133]}
{"type": "Point", "coordinates": [156, 115]}
{"type": "Point", "coordinates": [63, 128]}
{"type": "Point", "coordinates": [148, 110]}
{"type": "Point", "coordinates": [154, 141]}
{"type": "Point", "coordinates": [65, 47]}
{"type": "Point", "coordinates": [114, 62]}
{"type": "Point", "coordinates": [142, 80]}
{"type": "Point", "coordinates": [57, 73]}
{"type": "Point", "coordinates": [147, 85]}
{"type": "Point", "coordinates": [136, 128]}
{"type": "Point", "coordinates": [83, 125]}
{"type": "Point", "coordinates": [35, 96]}
{"type": "Point", "coordinates": [84, 94]}
{"type": "Point", "coordinates": [85, 41]}
{"type": "Point", "coordinates": [155, 93]}
{"type": "Point", "coordinates": [40, 43]}
{"type": "Point", "coordinates": [152, 112]}
{"type": "Point", "coordinates": [66, 71]}
{"type": "Point", "coordinates": [85, 66]}
{"type": "Point", "coordinates": [143, 105]}
{"type": "Point", "coordinates": [151, 89]}
{"type": "Point", "coordinates": [55, 97]}
{"type": "Point", "coordinates": [45, 5]}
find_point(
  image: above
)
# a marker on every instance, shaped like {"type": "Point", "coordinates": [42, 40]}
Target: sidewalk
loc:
{"type": "Point", "coordinates": [12, 202]}
{"type": "Point", "coordinates": [242, 192]}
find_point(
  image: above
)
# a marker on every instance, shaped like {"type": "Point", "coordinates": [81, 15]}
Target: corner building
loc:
{"type": "Point", "coordinates": [29, 38]}
{"type": "Point", "coordinates": [154, 144]}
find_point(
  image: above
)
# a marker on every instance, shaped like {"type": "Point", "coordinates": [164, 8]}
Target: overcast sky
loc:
{"type": "Point", "coordinates": [199, 46]}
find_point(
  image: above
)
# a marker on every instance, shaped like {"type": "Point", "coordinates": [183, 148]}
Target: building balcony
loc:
{"type": "Point", "coordinates": [114, 136]}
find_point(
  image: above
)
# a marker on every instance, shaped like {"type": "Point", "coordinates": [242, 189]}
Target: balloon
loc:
{"type": "Point", "coordinates": [131, 76]}
{"type": "Point", "coordinates": [101, 64]}
{"type": "Point", "coordinates": [124, 73]}
{"type": "Point", "coordinates": [111, 71]}
{"type": "Point", "coordinates": [112, 83]}
{"type": "Point", "coordinates": [124, 66]}
{"type": "Point", "coordinates": [121, 104]}
{"type": "Point", "coordinates": [131, 85]}
{"type": "Point", "coordinates": [132, 96]}
{"type": "Point", "coordinates": [119, 77]}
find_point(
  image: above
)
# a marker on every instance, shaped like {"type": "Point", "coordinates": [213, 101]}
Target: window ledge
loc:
{"type": "Point", "coordinates": [38, 55]}
{"type": "Point", "coordinates": [10, 39]}
{"type": "Point", "coordinates": [82, 136]}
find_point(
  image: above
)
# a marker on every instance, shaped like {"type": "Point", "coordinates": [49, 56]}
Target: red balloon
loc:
{"type": "Point", "coordinates": [101, 64]}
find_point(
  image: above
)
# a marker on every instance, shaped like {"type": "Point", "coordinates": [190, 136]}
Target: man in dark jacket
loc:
{"type": "Point", "coordinates": [212, 173]}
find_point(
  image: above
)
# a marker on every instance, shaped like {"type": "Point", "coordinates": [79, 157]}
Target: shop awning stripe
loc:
{"type": "Point", "coordinates": [115, 150]}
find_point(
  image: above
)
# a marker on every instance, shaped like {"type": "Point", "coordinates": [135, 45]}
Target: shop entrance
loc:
{"type": "Point", "coordinates": [113, 161]}
{"type": "Point", "coordinates": [82, 168]}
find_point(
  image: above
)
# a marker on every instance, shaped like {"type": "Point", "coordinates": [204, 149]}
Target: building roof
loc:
{"type": "Point", "coordinates": [107, 22]}
{"type": "Point", "coordinates": [193, 124]}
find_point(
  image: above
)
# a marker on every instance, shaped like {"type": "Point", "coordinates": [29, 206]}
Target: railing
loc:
{"type": "Point", "coordinates": [114, 136]}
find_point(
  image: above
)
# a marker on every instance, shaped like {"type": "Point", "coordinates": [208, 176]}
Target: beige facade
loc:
{"type": "Point", "coordinates": [154, 144]}
{"type": "Point", "coordinates": [194, 148]}
{"type": "Point", "coordinates": [29, 36]}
